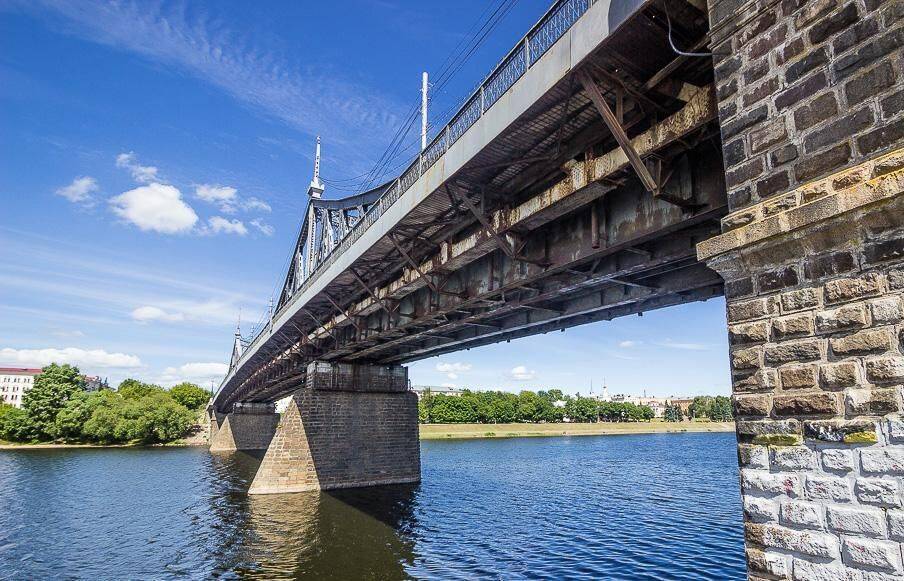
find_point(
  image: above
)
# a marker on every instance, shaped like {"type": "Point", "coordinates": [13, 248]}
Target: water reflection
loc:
{"type": "Point", "coordinates": [344, 534]}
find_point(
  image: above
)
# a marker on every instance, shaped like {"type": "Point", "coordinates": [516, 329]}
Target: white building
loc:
{"type": "Point", "coordinates": [14, 382]}
{"type": "Point", "coordinates": [436, 390]}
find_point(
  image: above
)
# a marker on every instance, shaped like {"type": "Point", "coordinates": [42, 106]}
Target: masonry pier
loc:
{"type": "Point", "coordinates": [250, 426]}
{"type": "Point", "coordinates": [349, 426]}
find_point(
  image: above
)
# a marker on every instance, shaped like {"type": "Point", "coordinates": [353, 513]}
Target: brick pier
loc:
{"type": "Point", "coordinates": [350, 426]}
{"type": "Point", "coordinates": [250, 426]}
{"type": "Point", "coordinates": [812, 252]}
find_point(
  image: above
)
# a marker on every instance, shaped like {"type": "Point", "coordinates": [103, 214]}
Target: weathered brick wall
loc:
{"type": "Point", "coordinates": [805, 88]}
{"type": "Point", "coordinates": [815, 298]}
{"type": "Point", "coordinates": [340, 439]}
{"type": "Point", "coordinates": [356, 377]}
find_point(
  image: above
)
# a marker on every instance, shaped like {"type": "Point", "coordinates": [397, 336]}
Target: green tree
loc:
{"type": "Point", "coordinates": [673, 413]}
{"type": "Point", "coordinates": [582, 409]}
{"type": "Point", "coordinates": [190, 395]}
{"type": "Point", "coordinates": [71, 420]}
{"type": "Point", "coordinates": [701, 407]}
{"type": "Point", "coordinates": [50, 392]}
{"type": "Point", "coordinates": [721, 409]}
{"type": "Point", "coordinates": [15, 425]}
{"type": "Point", "coordinates": [134, 389]}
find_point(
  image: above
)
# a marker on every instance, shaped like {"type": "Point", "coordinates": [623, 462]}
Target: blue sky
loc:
{"type": "Point", "coordinates": [153, 164]}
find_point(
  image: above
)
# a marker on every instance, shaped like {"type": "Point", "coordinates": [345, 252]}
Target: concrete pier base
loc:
{"type": "Point", "coordinates": [350, 426]}
{"type": "Point", "coordinates": [248, 427]}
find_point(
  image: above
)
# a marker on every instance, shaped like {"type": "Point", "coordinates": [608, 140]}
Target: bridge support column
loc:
{"type": "Point", "coordinates": [250, 426]}
{"type": "Point", "coordinates": [815, 296]}
{"type": "Point", "coordinates": [350, 426]}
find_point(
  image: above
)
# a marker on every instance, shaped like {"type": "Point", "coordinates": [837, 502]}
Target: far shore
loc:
{"type": "Point", "coordinates": [464, 431]}
{"type": "Point", "coordinates": [467, 431]}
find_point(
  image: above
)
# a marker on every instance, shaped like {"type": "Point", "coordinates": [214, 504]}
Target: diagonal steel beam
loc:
{"type": "Point", "coordinates": [412, 263]}
{"type": "Point", "coordinates": [593, 91]}
{"type": "Point", "coordinates": [369, 291]}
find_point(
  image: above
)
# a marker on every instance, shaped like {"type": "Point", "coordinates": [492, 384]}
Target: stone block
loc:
{"type": "Point", "coordinates": [810, 571]}
{"type": "Point", "coordinates": [757, 332]}
{"type": "Point", "coordinates": [753, 456]}
{"type": "Point", "coordinates": [841, 431]}
{"type": "Point", "coordinates": [751, 405]}
{"type": "Point", "coordinates": [774, 280]}
{"type": "Point", "coordinates": [878, 491]}
{"type": "Point", "coordinates": [802, 514]}
{"type": "Point", "coordinates": [827, 488]}
{"type": "Point", "coordinates": [796, 300]}
{"type": "Point", "coordinates": [753, 309]}
{"type": "Point", "coordinates": [813, 543]}
{"type": "Point", "coordinates": [896, 524]}
{"type": "Point", "coordinates": [763, 379]}
{"type": "Point", "coordinates": [895, 426]}
{"type": "Point", "coordinates": [838, 375]}
{"type": "Point", "coordinates": [839, 460]}
{"type": "Point", "coordinates": [887, 310]}
{"type": "Point", "coordinates": [819, 267]}
{"type": "Point", "coordinates": [805, 404]}
{"type": "Point", "coordinates": [872, 553]}
{"type": "Point", "coordinates": [791, 326]}
{"type": "Point", "coordinates": [862, 343]}
{"type": "Point", "coordinates": [857, 520]}
{"type": "Point", "coordinates": [877, 402]}
{"type": "Point", "coordinates": [849, 289]}
{"type": "Point", "coordinates": [800, 377]}
{"type": "Point", "coordinates": [762, 481]}
{"type": "Point", "coordinates": [771, 564]}
{"type": "Point", "coordinates": [841, 319]}
{"type": "Point", "coordinates": [793, 458]}
{"type": "Point", "coordinates": [796, 352]}
{"type": "Point", "coordinates": [746, 358]}
{"type": "Point", "coordinates": [886, 460]}
{"type": "Point", "coordinates": [885, 369]}
{"type": "Point", "coordinates": [759, 509]}
{"type": "Point", "coordinates": [885, 250]}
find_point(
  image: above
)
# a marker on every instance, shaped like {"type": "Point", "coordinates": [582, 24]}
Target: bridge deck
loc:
{"type": "Point", "coordinates": [531, 220]}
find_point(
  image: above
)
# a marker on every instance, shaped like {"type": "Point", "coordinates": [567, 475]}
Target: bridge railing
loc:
{"type": "Point", "coordinates": [550, 28]}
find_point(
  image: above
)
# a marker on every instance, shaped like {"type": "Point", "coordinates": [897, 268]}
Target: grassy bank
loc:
{"type": "Point", "coordinates": [455, 431]}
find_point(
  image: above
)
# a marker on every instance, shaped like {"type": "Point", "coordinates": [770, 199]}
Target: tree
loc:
{"type": "Point", "coordinates": [71, 420]}
{"type": "Point", "coordinates": [134, 389]}
{"type": "Point", "coordinates": [673, 413]}
{"type": "Point", "coordinates": [453, 410]}
{"type": "Point", "coordinates": [15, 425]}
{"type": "Point", "coordinates": [721, 409]}
{"type": "Point", "coordinates": [582, 409]}
{"type": "Point", "coordinates": [50, 392]}
{"type": "Point", "coordinates": [701, 407]}
{"type": "Point", "coordinates": [190, 395]}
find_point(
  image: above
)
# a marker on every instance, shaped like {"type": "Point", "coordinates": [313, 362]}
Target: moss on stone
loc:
{"type": "Point", "coordinates": [860, 438]}
{"type": "Point", "coordinates": [777, 440]}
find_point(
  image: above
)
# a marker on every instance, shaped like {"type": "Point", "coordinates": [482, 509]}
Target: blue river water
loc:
{"type": "Point", "coordinates": [661, 506]}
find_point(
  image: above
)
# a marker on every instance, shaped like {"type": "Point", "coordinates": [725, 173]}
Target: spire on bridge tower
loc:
{"type": "Point", "coordinates": [236, 343]}
{"type": "Point", "coordinates": [315, 190]}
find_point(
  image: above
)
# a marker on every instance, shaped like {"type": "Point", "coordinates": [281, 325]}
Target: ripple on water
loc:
{"type": "Point", "coordinates": [615, 507]}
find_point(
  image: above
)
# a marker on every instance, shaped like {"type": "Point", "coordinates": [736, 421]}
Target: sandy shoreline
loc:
{"type": "Point", "coordinates": [458, 431]}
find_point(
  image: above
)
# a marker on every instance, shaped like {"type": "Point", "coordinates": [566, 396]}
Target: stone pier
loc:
{"type": "Point", "coordinates": [250, 426]}
{"type": "Point", "coordinates": [349, 426]}
{"type": "Point", "coordinates": [811, 108]}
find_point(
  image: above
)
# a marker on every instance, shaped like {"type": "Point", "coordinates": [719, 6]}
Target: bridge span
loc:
{"type": "Point", "coordinates": [628, 155]}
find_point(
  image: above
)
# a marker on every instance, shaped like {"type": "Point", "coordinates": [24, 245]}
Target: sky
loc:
{"type": "Point", "coordinates": [154, 158]}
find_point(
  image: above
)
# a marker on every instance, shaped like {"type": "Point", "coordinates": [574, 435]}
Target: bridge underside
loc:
{"type": "Point", "coordinates": [549, 226]}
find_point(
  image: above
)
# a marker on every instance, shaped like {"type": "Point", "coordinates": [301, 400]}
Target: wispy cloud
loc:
{"type": "Point", "coordinates": [80, 191]}
{"type": "Point", "coordinates": [143, 174]}
{"type": "Point", "coordinates": [629, 344]}
{"type": "Point", "coordinates": [453, 369]}
{"type": "Point", "coordinates": [259, 77]}
{"type": "Point", "coordinates": [685, 346]}
{"type": "Point", "coordinates": [262, 227]}
{"type": "Point", "coordinates": [522, 373]}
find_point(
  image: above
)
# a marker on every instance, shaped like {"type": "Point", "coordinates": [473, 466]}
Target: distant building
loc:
{"type": "Point", "coordinates": [657, 404]}
{"type": "Point", "coordinates": [436, 390]}
{"type": "Point", "coordinates": [95, 383]}
{"type": "Point", "coordinates": [14, 382]}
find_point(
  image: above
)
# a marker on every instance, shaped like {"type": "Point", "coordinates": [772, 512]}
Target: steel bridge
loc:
{"type": "Point", "coordinates": [570, 188]}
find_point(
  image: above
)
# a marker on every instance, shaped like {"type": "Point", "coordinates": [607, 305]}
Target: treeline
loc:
{"type": "Point", "coordinates": [717, 408]}
{"type": "Point", "coordinates": [498, 407]}
{"type": "Point", "coordinates": [57, 408]}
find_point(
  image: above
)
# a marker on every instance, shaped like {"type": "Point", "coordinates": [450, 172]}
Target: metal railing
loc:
{"type": "Point", "coordinates": [550, 28]}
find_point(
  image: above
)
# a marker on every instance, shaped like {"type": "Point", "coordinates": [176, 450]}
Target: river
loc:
{"type": "Point", "coordinates": [662, 506]}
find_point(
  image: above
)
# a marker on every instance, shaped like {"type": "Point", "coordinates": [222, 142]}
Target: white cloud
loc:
{"type": "Point", "coordinates": [156, 208]}
{"type": "Point", "coordinates": [222, 196]}
{"type": "Point", "coordinates": [143, 174]}
{"type": "Point", "coordinates": [628, 344]}
{"type": "Point", "coordinates": [684, 346]}
{"type": "Point", "coordinates": [453, 369]}
{"type": "Point", "coordinates": [263, 227]}
{"type": "Point", "coordinates": [148, 313]}
{"type": "Point", "coordinates": [252, 204]}
{"type": "Point", "coordinates": [80, 190]}
{"type": "Point", "coordinates": [521, 373]}
{"type": "Point", "coordinates": [221, 225]}
{"type": "Point", "coordinates": [93, 358]}
{"type": "Point", "coordinates": [197, 372]}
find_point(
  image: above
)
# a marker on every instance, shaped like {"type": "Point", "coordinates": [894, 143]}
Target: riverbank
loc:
{"type": "Point", "coordinates": [463, 431]}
